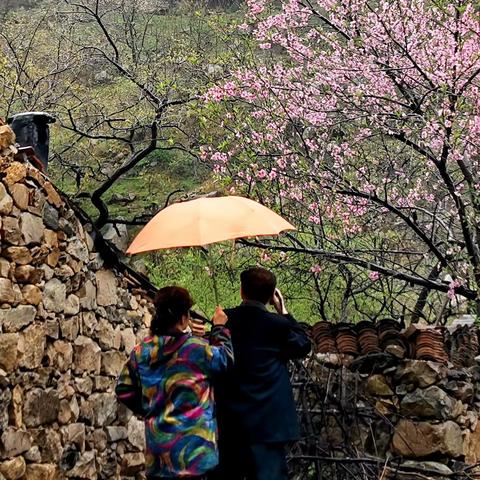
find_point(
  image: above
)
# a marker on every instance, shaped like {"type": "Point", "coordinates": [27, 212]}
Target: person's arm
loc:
{"type": "Point", "coordinates": [219, 352]}
{"type": "Point", "coordinates": [297, 344]}
{"type": "Point", "coordinates": [128, 389]}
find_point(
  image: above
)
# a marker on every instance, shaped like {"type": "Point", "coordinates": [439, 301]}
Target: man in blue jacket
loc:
{"type": "Point", "coordinates": [256, 409]}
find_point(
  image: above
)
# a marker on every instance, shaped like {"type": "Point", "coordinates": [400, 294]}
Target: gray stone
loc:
{"type": "Point", "coordinates": [88, 323]}
{"type": "Point", "coordinates": [33, 455]}
{"type": "Point", "coordinates": [100, 409]}
{"type": "Point", "coordinates": [9, 351]}
{"type": "Point", "coordinates": [421, 373]}
{"type": "Point", "coordinates": [21, 195]}
{"type": "Point", "coordinates": [49, 442]}
{"type": "Point", "coordinates": [96, 261]}
{"type": "Point", "coordinates": [77, 249]}
{"type": "Point", "coordinates": [70, 328]}
{"type": "Point", "coordinates": [432, 467]}
{"type": "Point", "coordinates": [68, 411]}
{"type": "Point", "coordinates": [47, 272]}
{"type": "Point", "coordinates": [60, 354]}
{"type": "Point", "coordinates": [41, 471]}
{"type": "Point", "coordinates": [11, 230]}
{"type": "Point", "coordinates": [16, 407]}
{"type": "Point", "coordinates": [7, 294]}
{"type": "Point", "coordinates": [421, 439]}
{"type": "Point", "coordinates": [72, 305]}
{"type": "Point", "coordinates": [87, 356]}
{"type": "Point", "coordinates": [84, 385]}
{"type": "Point", "coordinates": [88, 239]}
{"type": "Point", "coordinates": [33, 346]}
{"type": "Point", "coordinates": [51, 238]}
{"type": "Point", "coordinates": [136, 433]}
{"type": "Point", "coordinates": [28, 274]}
{"type": "Point", "coordinates": [106, 288]}
{"type": "Point", "coordinates": [14, 319]}
{"type": "Point", "coordinates": [19, 255]}
{"type": "Point", "coordinates": [18, 293]}
{"type": "Point", "coordinates": [41, 407]}
{"type": "Point", "coordinates": [104, 334]}
{"type": "Point", "coordinates": [32, 228]}
{"type": "Point", "coordinates": [118, 235]}
{"type": "Point", "coordinates": [6, 201]}
{"type": "Point", "coordinates": [52, 329]}
{"type": "Point", "coordinates": [64, 386]}
{"type": "Point", "coordinates": [132, 463]}
{"type": "Point", "coordinates": [31, 294]}
{"type": "Point", "coordinates": [99, 439]}
{"type": "Point", "coordinates": [4, 267]}
{"type": "Point", "coordinates": [64, 272]}
{"type": "Point", "coordinates": [13, 469]}
{"type": "Point", "coordinates": [432, 402]}
{"type": "Point", "coordinates": [112, 362]}
{"type": "Point", "coordinates": [50, 217]}
{"type": "Point", "coordinates": [76, 435]}
{"type": "Point", "coordinates": [85, 467]}
{"type": "Point", "coordinates": [116, 433]}
{"type": "Point", "coordinates": [54, 295]}
{"type": "Point", "coordinates": [88, 296]}
{"type": "Point", "coordinates": [128, 339]}
{"type": "Point", "coordinates": [378, 385]}
{"type": "Point", "coordinates": [104, 384]}
{"type": "Point", "coordinates": [471, 446]}
{"type": "Point", "coordinates": [459, 389]}
{"type": "Point", "coordinates": [5, 399]}
{"type": "Point", "coordinates": [15, 442]}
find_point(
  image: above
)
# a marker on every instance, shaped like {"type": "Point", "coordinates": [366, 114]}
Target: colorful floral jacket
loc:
{"type": "Point", "coordinates": [167, 381]}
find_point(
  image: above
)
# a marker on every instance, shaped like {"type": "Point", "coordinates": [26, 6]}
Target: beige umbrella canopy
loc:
{"type": "Point", "coordinates": [207, 220]}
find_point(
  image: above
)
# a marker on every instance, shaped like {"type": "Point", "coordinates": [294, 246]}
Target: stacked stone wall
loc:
{"type": "Point", "coordinates": [418, 419]}
{"type": "Point", "coordinates": [67, 324]}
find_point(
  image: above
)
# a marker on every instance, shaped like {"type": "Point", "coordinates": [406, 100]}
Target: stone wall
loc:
{"type": "Point", "coordinates": [419, 419]}
{"type": "Point", "coordinates": [67, 324]}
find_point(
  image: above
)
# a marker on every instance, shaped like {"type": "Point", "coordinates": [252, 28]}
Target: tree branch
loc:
{"type": "Point", "coordinates": [343, 258]}
{"type": "Point", "coordinates": [127, 166]}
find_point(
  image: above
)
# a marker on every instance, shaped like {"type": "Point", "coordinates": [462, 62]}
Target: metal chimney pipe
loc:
{"type": "Point", "coordinates": [32, 130]}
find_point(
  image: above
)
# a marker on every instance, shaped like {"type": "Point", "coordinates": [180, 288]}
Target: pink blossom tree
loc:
{"type": "Point", "coordinates": [360, 121]}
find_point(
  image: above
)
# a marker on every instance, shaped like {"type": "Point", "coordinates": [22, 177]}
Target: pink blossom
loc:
{"type": "Point", "coordinates": [316, 269]}
{"type": "Point", "coordinates": [357, 130]}
{"type": "Point", "coordinates": [374, 276]}
{"type": "Point", "coordinates": [454, 284]}
{"type": "Point", "coordinates": [265, 257]}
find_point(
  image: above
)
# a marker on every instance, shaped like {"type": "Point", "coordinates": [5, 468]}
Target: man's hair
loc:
{"type": "Point", "coordinates": [171, 303]}
{"type": "Point", "coordinates": [258, 284]}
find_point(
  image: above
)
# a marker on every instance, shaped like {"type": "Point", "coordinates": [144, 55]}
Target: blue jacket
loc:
{"type": "Point", "coordinates": [255, 398]}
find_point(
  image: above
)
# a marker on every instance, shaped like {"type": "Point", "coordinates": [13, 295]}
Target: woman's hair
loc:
{"type": "Point", "coordinates": [170, 304]}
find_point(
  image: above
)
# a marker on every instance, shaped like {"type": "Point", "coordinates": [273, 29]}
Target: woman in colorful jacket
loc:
{"type": "Point", "coordinates": [168, 381]}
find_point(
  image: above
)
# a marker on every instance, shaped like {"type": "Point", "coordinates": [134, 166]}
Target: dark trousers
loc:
{"type": "Point", "coordinates": [260, 461]}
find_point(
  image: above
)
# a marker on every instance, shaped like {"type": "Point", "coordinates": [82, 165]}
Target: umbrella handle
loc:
{"type": "Point", "coordinates": [199, 316]}
{"type": "Point", "coordinates": [211, 268]}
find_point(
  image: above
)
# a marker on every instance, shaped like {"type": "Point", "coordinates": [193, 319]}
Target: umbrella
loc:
{"type": "Point", "coordinates": [207, 220]}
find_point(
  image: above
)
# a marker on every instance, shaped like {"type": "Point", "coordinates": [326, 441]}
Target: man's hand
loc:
{"type": "Point", "coordinates": [197, 327]}
{"type": "Point", "coordinates": [219, 317]}
{"type": "Point", "coordinates": [278, 302]}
